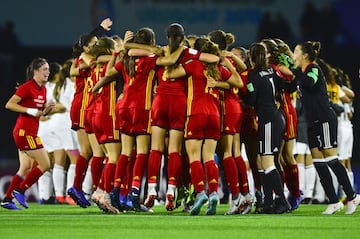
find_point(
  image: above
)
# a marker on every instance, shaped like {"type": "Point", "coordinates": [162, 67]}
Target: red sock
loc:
{"type": "Point", "coordinates": [154, 166]}
{"type": "Point", "coordinates": [30, 179]}
{"type": "Point", "coordinates": [109, 172]}
{"type": "Point", "coordinates": [174, 168]}
{"type": "Point", "coordinates": [80, 171]}
{"type": "Point", "coordinates": [197, 176]}
{"type": "Point", "coordinates": [231, 174]}
{"type": "Point", "coordinates": [101, 184]}
{"type": "Point", "coordinates": [15, 183]}
{"type": "Point", "coordinates": [292, 180]}
{"type": "Point", "coordinates": [212, 175]}
{"type": "Point", "coordinates": [139, 168]}
{"type": "Point", "coordinates": [244, 186]}
{"type": "Point", "coordinates": [120, 171]}
{"type": "Point", "coordinates": [96, 169]}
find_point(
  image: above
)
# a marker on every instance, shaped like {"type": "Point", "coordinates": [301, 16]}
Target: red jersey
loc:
{"type": "Point", "coordinates": [230, 98]}
{"type": "Point", "coordinates": [80, 80]}
{"type": "Point", "coordinates": [32, 96]}
{"type": "Point", "coordinates": [138, 90]}
{"type": "Point", "coordinates": [81, 98]}
{"type": "Point", "coordinates": [288, 109]}
{"type": "Point", "coordinates": [175, 86]}
{"type": "Point", "coordinates": [202, 99]}
{"type": "Point", "coordinates": [106, 97]}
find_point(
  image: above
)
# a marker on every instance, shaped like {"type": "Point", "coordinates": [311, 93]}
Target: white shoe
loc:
{"type": "Point", "coordinates": [247, 204]}
{"type": "Point", "coordinates": [235, 205]}
{"type": "Point", "coordinates": [333, 207]}
{"type": "Point", "coordinates": [351, 205]}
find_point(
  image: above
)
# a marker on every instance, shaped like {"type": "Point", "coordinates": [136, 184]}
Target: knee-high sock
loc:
{"type": "Point", "coordinates": [272, 175]}
{"type": "Point", "coordinates": [109, 175]}
{"type": "Point", "coordinates": [96, 169]}
{"type": "Point", "coordinates": [15, 183]}
{"type": "Point", "coordinates": [174, 168]}
{"type": "Point", "coordinates": [87, 183]}
{"type": "Point", "coordinates": [342, 177]}
{"type": "Point", "coordinates": [197, 176]}
{"type": "Point", "coordinates": [231, 174]}
{"type": "Point", "coordinates": [212, 175]}
{"type": "Point", "coordinates": [58, 176]}
{"type": "Point", "coordinates": [80, 172]}
{"type": "Point", "coordinates": [244, 186]}
{"type": "Point", "coordinates": [310, 176]}
{"type": "Point", "coordinates": [139, 168]}
{"type": "Point", "coordinates": [292, 179]}
{"type": "Point", "coordinates": [154, 166]}
{"type": "Point", "coordinates": [70, 176]}
{"type": "Point", "coordinates": [301, 168]}
{"type": "Point", "coordinates": [326, 181]}
{"type": "Point", "coordinates": [120, 171]}
{"type": "Point", "coordinates": [30, 179]}
{"type": "Point", "coordinates": [45, 185]}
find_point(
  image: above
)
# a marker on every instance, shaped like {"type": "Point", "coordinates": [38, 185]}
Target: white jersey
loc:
{"type": "Point", "coordinates": [56, 133]}
{"type": "Point", "coordinates": [345, 133]}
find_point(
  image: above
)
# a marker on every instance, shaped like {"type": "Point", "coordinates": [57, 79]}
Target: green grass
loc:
{"type": "Point", "coordinates": [64, 221]}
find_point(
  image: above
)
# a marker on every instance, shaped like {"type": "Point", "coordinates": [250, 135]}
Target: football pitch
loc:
{"type": "Point", "coordinates": [65, 221]}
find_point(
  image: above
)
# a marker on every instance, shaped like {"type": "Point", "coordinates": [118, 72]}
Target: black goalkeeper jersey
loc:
{"type": "Point", "coordinates": [314, 95]}
{"type": "Point", "coordinates": [262, 87]}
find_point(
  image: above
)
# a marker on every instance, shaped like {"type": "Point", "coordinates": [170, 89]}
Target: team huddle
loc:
{"type": "Point", "coordinates": [122, 106]}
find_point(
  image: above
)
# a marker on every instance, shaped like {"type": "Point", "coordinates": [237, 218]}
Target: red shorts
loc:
{"type": "Point", "coordinates": [133, 121]}
{"type": "Point", "coordinates": [169, 111]}
{"type": "Point", "coordinates": [202, 126]}
{"type": "Point", "coordinates": [77, 114]}
{"type": "Point", "coordinates": [231, 123]}
{"type": "Point", "coordinates": [26, 142]}
{"type": "Point", "coordinates": [290, 123]}
{"type": "Point", "coordinates": [89, 121]}
{"type": "Point", "coordinates": [104, 128]}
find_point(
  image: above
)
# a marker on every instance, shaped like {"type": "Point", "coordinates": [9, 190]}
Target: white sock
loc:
{"type": "Point", "coordinates": [301, 169]}
{"type": "Point", "coordinates": [59, 180]}
{"type": "Point", "coordinates": [151, 188]}
{"type": "Point", "coordinates": [251, 182]}
{"type": "Point", "coordinates": [45, 186]}
{"type": "Point", "coordinates": [351, 178]}
{"type": "Point", "coordinates": [87, 184]}
{"type": "Point", "coordinates": [171, 189]}
{"type": "Point", "coordinates": [309, 177]}
{"type": "Point", "coordinates": [70, 176]}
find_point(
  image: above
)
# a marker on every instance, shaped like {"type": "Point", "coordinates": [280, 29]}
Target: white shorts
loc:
{"type": "Point", "coordinates": [61, 139]}
{"type": "Point", "coordinates": [345, 141]}
{"type": "Point", "coordinates": [301, 148]}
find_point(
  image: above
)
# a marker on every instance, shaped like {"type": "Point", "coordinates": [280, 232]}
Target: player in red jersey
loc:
{"type": "Point", "coordinates": [89, 149]}
{"type": "Point", "coordinates": [231, 120]}
{"type": "Point", "coordinates": [30, 101]}
{"type": "Point", "coordinates": [133, 112]}
{"type": "Point", "coordinates": [202, 129]}
{"type": "Point", "coordinates": [249, 131]}
{"type": "Point", "coordinates": [104, 119]}
{"type": "Point", "coordinates": [168, 113]}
